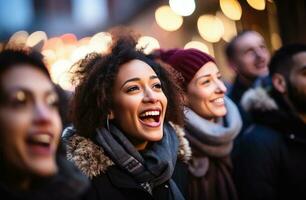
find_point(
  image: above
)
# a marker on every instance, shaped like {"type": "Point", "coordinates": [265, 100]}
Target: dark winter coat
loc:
{"type": "Point", "coordinates": [111, 182]}
{"type": "Point", "coordinates": [271, 159]}
{"type": "Point", "coordinates": [235, 93]}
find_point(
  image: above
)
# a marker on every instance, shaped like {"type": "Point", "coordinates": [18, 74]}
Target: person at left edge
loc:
{"type": "Point", "coordinates": [31, 160]}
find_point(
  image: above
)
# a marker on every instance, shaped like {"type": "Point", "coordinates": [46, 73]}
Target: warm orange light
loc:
{"type": "Point", "coordinates": [167, 19]}
{"type": "Point", "coordinates": [210, 28]}
{"type": "Point", "coordinates": [60, 73]}
{"type": "Point", "coordinates": [230, 29]}
{"type": "Point", "coordinates": [276, 41]}
{"type": "Point", "coordinates": [35, 38]}
{"type": "Point", "coordinates": [69, 38]}
{"type": "Point", "coordinates": [148, 44]}
{"type": "Point", "coordinates": [19, 38]}
{"type": "Point", "coordinates": [231, 9]}
{"type": "Point", "coordinates": [100, 42]}
{"type": "Point", "coordinates": [197, 45]}
{"type": "Point", "coordinates": [257, 4]}
{"type": "Point", "coordinates": [182, 7]}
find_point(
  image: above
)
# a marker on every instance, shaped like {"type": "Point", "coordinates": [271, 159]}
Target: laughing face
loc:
{"type": "Point", "coordinates": [205, 92]}
{"type": "Point", "coordinates": [29, 121]}
{"type": "Point", "coordinates": [139, 103]}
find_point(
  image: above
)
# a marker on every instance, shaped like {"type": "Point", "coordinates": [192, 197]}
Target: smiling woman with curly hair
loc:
{"type": "Point", "coordinates": [125, 133]}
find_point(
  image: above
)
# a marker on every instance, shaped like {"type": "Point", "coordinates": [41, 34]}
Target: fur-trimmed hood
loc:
{"type": "Point", "coordinates": [258, 99]}
{"type": "Point", "coordinates": [92, 160]}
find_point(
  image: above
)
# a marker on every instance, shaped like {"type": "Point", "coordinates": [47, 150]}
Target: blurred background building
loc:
{"type": "Point", "coordinates": [66, 30]}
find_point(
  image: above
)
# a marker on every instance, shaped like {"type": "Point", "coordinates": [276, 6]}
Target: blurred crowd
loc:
{"type": "Point", "coordinates": [162, 125]}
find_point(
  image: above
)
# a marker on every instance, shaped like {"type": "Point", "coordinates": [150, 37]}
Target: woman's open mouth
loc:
{"type": "Point", "coordinates": [150, 118]}
{"type": "Point", "coordinates": [40, 144]}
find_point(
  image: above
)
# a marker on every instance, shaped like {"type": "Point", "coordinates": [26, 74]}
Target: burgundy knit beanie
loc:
{"type": "Point", "coordinates": [185, 61]}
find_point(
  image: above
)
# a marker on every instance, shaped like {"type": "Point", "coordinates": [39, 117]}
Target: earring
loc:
{"type": "Point", "coordinates": [107, 123]}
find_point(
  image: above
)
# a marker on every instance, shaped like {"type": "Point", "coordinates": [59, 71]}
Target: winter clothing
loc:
{"type": "Point", "coordinates": [119, 171]}
{"type": "Point", "coordinates": [270, 161]}
{"type": "Point", "coordinates": [185, 61]}
{"type": "Point", "coordinates": [210, 166]}
{"type": "Point", "coordinates": [67, 184]}
{"type": "Point", "coordinates": [235, 93]}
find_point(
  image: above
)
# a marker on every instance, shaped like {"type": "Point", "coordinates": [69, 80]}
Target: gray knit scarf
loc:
{"type": "Point", "coordinates": [213, 139]}
{"type": "Point", "coordinates": [152, 167]}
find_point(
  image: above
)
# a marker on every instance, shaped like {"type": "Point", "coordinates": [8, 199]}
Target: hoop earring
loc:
{"type": "Point", "coordinates": [107, 123]}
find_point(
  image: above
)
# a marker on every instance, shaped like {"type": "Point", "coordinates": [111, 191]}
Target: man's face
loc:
{"type": "Point", "coordinates": [297, 83]}
{"type": "Point", "coordinates": [251, 56]}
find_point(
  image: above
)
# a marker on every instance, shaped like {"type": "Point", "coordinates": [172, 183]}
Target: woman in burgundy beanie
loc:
{"type": "Point", "coordinates": [212, 121]}
{"type": "Point", "coordinates": [185, 61]}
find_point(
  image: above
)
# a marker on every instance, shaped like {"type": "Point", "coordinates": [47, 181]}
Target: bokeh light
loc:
{"type": "Point", "coordinates": [148, 44]}
{"type": "Point", "coordinates": [231, 9]}
{"type": "Point", "coordinates": [167, 19]}
{"type": "Point", "coordinates": [60, 74]}
{"type": "Point", "coordinates": [257, 4]}
{"type": "Point", "coordinates": [35, 38]}
{"type": "Point", "coordinates": [210, 28]}
{"type": "Point", "coordinates": [276, 41]}
{"type": "Point", "coordinates": [182, 7]}
{"type": "Point", "coordinates": [197, 45]}
{"type": "Point", "coordinates": [80, 53]}
{"type": "Point", "coordinates": [230, 29]}
{"type": "Point", "coordinates": [19, 38]}
{"type": "Point", "coordinates": [100, 42]}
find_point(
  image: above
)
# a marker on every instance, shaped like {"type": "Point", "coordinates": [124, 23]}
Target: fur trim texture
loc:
{"type": "Point", "coordinates": [257, 99]}
{"type": "Point", "coordinates": [92, 161]}
{"type": "Point", "coordinates": [184, 153]}
{"type": "Point", "coordinates": [87, 156]}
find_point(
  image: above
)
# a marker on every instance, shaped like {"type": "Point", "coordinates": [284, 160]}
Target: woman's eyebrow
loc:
{"type": "Point", "coordinates": [137, 79]}
{"type": "Point", "coordinates": [130, 80]}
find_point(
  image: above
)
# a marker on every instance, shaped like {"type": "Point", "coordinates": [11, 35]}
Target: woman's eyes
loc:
{"type": "Point", "coordinates": [209, 80]}
{"type": "Point", "coordinates": [157, 85]}
{"type": "Point", "coordinates": [52, 100]}
{"type": "Point", "coordinates": [205, 82]}
{"type": "Point", "coordinates": [19, 99]}
{"type": "Point", "coordinates": [132, 88]}
{"type": "Point", "coordinates": [22, 100]}
{"type": "Point", "coordinates": [136, 88]}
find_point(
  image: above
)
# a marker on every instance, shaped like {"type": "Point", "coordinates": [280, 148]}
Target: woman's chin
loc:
{"type": "Point", "coordinates": [44, 169]}
{"type": "Point", "coordinates": [220, 113]}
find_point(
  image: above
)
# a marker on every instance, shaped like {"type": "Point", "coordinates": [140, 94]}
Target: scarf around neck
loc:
{"type": "Point", "coordinates": [152, 167]}
{"type": "Point", "coordinates": [213, 139]}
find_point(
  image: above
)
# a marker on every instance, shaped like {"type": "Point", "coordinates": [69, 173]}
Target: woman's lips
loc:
{"type": "Point", "coordinates": [150, 118]}
{"type": "Point", "coordinates": [39, 144]}
{"type": "Point", "coordinates": [218, 101]}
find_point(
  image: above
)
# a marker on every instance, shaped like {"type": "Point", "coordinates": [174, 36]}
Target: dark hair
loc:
{"type": "Point", "coordinates": [95, 76]}
{"type": "Point", "coordinates": [12, 57]}
{"type": "Point", "coordinates": [282, 62]}
{"type": "Point", "coordinates": [230, 48]}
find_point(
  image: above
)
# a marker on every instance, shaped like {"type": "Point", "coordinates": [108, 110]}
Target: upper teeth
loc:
{"type": "Point", "coordinates": [150, 113]}
{"type": "Point", "coordinates": [42, 138]}
{"type": "Point", "coordinates": [219, 100]}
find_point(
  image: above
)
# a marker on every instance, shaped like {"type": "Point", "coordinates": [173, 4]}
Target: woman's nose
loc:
{"type": "Point", "coordinates": [220, 86]}
{"type": "Point", "coordinates": [41, 113]}
{"type": "Point", "coordinates": [150, 96]}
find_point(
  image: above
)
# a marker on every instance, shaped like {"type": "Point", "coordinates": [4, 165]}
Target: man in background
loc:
{"type": "Point", "coordinates": [270, 161]}
{"type": "Point", "coordinates": [248, 56]}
